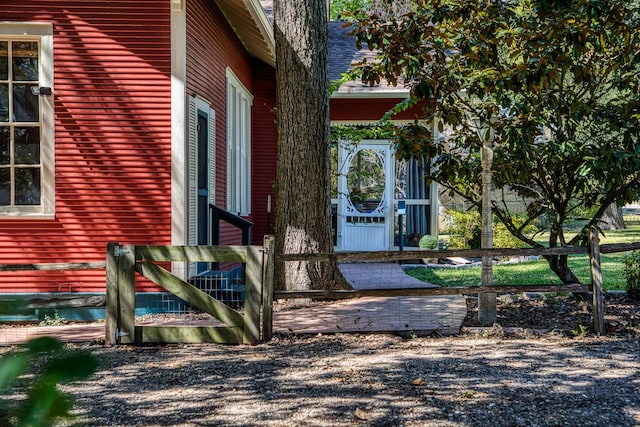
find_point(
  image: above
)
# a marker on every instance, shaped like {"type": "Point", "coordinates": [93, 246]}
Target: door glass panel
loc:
{"type": "Point", "coordinates": [27, 186]}
{"type": "Point", "coordinates": [412, 187]}
{"type": "Point", "coordinates": [5, 186]}
{"type": "Point", "coordinates": [4, 60]}
{"type": "Point", "coordinates": [25, 61]}
{"type": "Point", "coordinates": [27, 146]}
{"type": "Point", "coordinates": [4, 102]}
{"type": "Point", "coordinates": [203, 181]}
{"type": "Point", "coordinates": [5, 148]}
{"type": "Point", "coordinates": [366, 181]}
{"type": "Point", "coordinates": [25, 104]}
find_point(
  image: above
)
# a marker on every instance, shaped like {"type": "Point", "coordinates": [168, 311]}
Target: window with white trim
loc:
{"type": "Point", "coordinates": [238, 146]}
{"type": "Point", "coordinates": [27, 169]}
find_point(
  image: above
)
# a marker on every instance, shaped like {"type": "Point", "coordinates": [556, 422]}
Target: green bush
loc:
{"type": "Point", "coordinates": [502, 238]}
{"type": "Point", "coordinates": [464, 229]}
{"type": "Point", "coordinates": [632, 274]}
{"type": "Point", "coordinates": [428, 242]}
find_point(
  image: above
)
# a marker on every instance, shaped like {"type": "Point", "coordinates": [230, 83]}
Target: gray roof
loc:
{"type": "Point", "coordinates": [343, 53]}
{"type": "Point", "coordinates": [342, 49]}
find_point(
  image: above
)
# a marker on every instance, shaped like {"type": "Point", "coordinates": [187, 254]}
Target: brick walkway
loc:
{"type": "Point", "coordinates": [419, 315]}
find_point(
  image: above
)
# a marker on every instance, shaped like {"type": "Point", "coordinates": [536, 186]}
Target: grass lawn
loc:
{"type": "Point", "coordinates": [538, 272]}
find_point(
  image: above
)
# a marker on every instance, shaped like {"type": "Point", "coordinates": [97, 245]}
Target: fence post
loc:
{"type": "Point", "coordinates": [111, 297]}
{"type": "Point", "coordinates": [121, 294]}
{"type": "Point", "coordinates": [267, 288]}
{"type": "Point", "coordinates": [253, 295]}
{"type": "Point", "coordinates": [596, 281]}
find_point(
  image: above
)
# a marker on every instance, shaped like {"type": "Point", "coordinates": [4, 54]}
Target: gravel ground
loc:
{"type": "Point", "coordinates": [483, 377]}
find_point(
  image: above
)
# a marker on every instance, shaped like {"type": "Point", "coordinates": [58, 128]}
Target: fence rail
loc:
{"type": "Point", "coordinates": [56, 266]}
{"type": "Point", "coordinates": [593, 250]}
{"type": "Point", "coordinates": [255, 325]}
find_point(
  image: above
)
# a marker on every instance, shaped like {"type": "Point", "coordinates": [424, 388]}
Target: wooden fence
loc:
{"type": "Point", "coordinates": [255, 324]}
{"type": "Point", "coordinates": [250, 327]}
{"type": "Point", "coordinates": [593, 250]}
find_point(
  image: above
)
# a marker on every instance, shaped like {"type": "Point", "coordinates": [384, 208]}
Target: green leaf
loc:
{"type": "Point", "coordinates": [11, 367]}
{"type": "Point", "coordinates": [44, 345]}
{"type": "Point", "coordinates": [72, 367]}
{"type": "Point", "coordinates": [45, 404]}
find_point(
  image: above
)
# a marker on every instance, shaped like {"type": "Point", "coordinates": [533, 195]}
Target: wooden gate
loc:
{"type": "Point", "coordinates": [251, 327]}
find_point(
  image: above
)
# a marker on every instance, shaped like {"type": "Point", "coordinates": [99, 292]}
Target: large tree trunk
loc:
{"type": "Point", "coordinates": [303, 205]}
{"type": "Point", "coordinates": [612, 218]}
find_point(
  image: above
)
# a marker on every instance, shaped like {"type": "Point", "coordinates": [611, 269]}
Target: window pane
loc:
{"type": "Point", "coordinates": [25, 104]}
{"type": "Point", "coordinates": [5, 186]}
{"type": "Point", "coordinates": [4, 61]}
{"type": "Point", "coordinates": [5, 148]}
{"type": "Point", "coordinates": [4, 102]}
{"type": "Point", "coordinates": [27, 186]}
{"type": "Point", "coordinates": [25, 61]}
{"type": "Point", "coordinates": [27, 146]}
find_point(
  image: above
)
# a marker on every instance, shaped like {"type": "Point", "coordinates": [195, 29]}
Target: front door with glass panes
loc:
{"type": "Point", "coordinates": [20, 130]}
{"type": "Point", "coordinates": [367, 184]}
{"type": "Point", "coordinates": [364, 196]}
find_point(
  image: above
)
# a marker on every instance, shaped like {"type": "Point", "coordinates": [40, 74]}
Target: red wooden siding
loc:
{"type": "Point", "coordinates": [355, 109]}
{"type": "Point", "coordinates": [211, 47]}
{"type": "Point", "coordinates": [112, 71]}
{"type": "Point", "coordinates": [263, 148]}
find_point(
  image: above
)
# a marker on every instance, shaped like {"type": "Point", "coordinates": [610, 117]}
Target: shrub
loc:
{"type": "Point", "coordinates": [428, 242]}
{"type": "Point", "coordinates": [502, 238]}
{"type": "Point", "coordinates": [464, 229]}
{"type": "Point", "coordinates": [632, 274]}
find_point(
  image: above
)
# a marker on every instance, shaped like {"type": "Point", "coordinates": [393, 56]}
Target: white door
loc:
{"type": "Point", "coordinates": [364, 196]}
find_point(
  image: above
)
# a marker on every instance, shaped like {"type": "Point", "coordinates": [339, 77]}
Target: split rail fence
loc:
{"type": "Point", "coordinates": [593, 250]}
{"type": "Point", "coordinates": [255, 324]}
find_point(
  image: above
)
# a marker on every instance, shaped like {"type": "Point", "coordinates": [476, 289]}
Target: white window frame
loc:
{"type": "Point", "coordinates": [239, 102]}
{"type": "Point", "coordinates": [41, 32]}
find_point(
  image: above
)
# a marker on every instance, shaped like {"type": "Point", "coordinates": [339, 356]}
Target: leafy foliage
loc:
{"type": "Point", "coordinates": [464, 229]}
{"type": "Point", "coordinates": [632, 274]}
{"type": "Point", "coordinates": [554, 81]}
{"type": "Point", "coordinates": [44, 403]}
{"type": "Point", "coordinates": [339, 7]}
{"type": "Point", "coordinates": [503, 238]}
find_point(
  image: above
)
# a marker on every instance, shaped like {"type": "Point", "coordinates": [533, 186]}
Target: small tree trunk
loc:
{"type": "Point", "coordinates": [559, 265]}
{"type": "Point", "coordinates": [303, 204]}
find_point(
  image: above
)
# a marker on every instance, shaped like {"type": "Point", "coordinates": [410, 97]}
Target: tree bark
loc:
{"type": "Point", "coordinates": [559, 264]}
{"type": "Point", "coordinates": [612, 218]}
{"type": "Point", "coordinates": [303, 204]}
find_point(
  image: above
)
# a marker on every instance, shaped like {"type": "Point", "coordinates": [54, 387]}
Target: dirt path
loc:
{"type": "Point", "coordinates": [348, 380]}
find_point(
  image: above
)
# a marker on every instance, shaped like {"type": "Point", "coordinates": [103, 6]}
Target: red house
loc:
{"type": "Point", "coordinates": [121, 122]}
{"type": "Point", "coordinates": [143, 122]}
{"type": "Point", "coordinates": [370, 184]}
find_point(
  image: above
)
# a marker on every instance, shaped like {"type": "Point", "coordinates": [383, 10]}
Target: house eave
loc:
{"type": "Point", "coordinates": [250, 23]}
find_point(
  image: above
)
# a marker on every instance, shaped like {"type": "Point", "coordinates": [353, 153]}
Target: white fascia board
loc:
{"type": "Point", "coordinates": [398, 94]}
{"type": "Point", "coordinates": [262, 22]}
